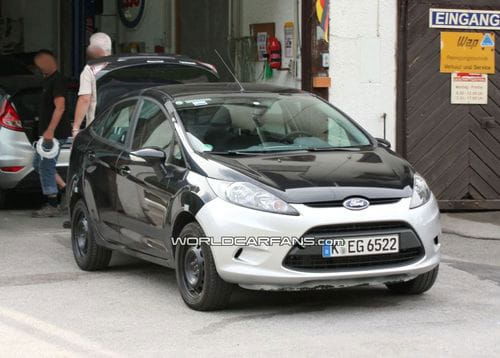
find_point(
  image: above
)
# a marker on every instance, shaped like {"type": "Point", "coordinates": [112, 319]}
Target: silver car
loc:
{"type": "Point", "coordinates": [19, 98]}
{"type": "Point", "coordinates": [16, 154]}
{"type": "Point", "coordinates": [20, 91]}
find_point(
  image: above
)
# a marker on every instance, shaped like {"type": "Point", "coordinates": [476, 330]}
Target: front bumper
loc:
{"type": "Point", "coordinates": [261, 267]}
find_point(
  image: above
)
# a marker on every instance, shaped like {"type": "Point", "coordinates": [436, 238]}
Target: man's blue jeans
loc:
{"type": "Point", "coordinates": [46, 169]}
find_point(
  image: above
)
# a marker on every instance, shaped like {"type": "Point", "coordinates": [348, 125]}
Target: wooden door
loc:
{"type": "Point", "coordinates": [455, 147]}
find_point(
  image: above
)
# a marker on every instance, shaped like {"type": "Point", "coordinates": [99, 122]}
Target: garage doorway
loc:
{"type": "Point", "coordinates": [455, 147]}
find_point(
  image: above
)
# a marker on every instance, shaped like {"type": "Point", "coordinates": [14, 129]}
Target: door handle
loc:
{"type": "Point", "coordinates": [91, 156]}
{"type": "Point", "coordinates": [124, 170]}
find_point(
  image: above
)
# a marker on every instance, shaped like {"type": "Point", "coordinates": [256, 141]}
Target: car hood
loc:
{"type": "Point", "coordinates": [325, 176]}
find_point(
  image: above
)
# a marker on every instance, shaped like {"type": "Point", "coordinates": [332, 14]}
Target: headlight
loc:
{"type": "Point", "coordinates": [421, 192]}
{"type": "Point", "coordinates": [250, 196]}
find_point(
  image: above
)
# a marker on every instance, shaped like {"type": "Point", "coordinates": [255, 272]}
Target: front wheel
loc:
{"type": "Point", "coordinates": [200, 285]}
{"type": "Point", "coordinates": [418, 285]}
{"type": "Point", "coordinates": [89, 256]}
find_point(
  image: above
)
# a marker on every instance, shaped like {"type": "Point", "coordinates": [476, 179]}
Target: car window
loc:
{"type": "Point", "coordinates": [116, 123]}
{"type": "Point", "coordinates": [159, 74]}
{"type": "Point", "coordinates": [153, 127]}
{"type": "Point", "coordinates": [11, 67]}
{"type": "Point", "coordinates": [266, 122]}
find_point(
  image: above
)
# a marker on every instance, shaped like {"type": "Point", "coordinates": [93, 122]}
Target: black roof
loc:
{"type": "Point", "coordinates": [183, 90]}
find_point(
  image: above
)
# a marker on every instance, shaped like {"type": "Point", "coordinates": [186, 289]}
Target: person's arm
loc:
{"type": "Point", "coordinates": [60, 106]}
{"type": "Point", "coordinates": [82, 106]}
{"type": "Point", "coordinates": [84, 99]}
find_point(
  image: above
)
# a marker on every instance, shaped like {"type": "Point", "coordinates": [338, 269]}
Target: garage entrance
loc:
{"type": "Point", "coordinates": [456, 147]}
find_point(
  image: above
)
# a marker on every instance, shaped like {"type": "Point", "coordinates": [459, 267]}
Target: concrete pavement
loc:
{"type": "Point", "coordinates": [49, 308]}
{"type": "Point", "coordinates": [479, 225]}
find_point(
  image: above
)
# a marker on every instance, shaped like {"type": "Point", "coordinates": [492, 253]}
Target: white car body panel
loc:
{"type": "Point", "coordinates": [261, 267]}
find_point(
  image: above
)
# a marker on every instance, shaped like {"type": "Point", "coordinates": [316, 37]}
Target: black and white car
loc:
{"type": "Point", "coordinates": [265, 187]}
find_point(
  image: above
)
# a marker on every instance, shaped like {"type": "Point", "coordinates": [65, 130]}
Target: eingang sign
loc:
{"type": "Point", "coordinates": [464, 19]}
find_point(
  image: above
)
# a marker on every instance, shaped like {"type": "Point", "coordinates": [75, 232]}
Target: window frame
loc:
{"type": "Point", "coordinates": [107, 112]}
{"type": "Point", "coordinates": [170, 119]}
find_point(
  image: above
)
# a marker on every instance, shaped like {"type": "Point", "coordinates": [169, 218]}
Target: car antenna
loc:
{"type": "Point", "coordinates": [242, 89]}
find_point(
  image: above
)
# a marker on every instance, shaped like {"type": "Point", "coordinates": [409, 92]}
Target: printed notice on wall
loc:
{"type": "Point", "coordinates": [472, 52]}
{"type": "Point", "coordinates": [469, 88]}
{"type": "Point", "coordinates": [262, 45]}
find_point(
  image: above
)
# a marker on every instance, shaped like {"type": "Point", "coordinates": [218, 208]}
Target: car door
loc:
{"type": "Point", "coordinates": [144, 209]}
{"type": "Point", "coordinates": [110, 136]}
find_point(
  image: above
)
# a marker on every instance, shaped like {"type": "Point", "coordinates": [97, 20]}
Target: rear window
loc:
{"type": "Point", "coordinates": [9, 67]}
{"type": "Point", "coordinates": [125, 80]}
{"type": "Point", "coordinates": [27, 102]}
{"type": "Point", "coordinates": [160, 74]}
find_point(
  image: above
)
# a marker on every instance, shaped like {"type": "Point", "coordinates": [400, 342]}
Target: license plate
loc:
{"type": "Point", "coordinates": [356, 246]}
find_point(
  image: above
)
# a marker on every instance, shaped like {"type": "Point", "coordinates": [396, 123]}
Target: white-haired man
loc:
{"type": "Point", "coordinates": [100, 46]}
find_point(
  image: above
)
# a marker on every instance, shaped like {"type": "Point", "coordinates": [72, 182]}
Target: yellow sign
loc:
{"type": "Point", "coordinates": [471, 52]}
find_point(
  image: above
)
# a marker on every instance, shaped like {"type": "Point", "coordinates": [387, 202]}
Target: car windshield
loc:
{"type": "Point", "coordinates": [250, 123]}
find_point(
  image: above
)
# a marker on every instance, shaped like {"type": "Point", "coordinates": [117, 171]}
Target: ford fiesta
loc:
{"type": "Point", "coordinates": [263, 187]}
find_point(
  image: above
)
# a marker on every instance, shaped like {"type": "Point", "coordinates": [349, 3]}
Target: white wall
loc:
{"type": "Point", "coordinates": [39, 20]}
{"type": "Point", "coordinates": [363, 40]}
{"type": "Point", "coordinates": [279, 12]}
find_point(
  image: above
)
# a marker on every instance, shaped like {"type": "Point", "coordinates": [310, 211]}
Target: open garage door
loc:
{"type": "Point", "coordinates": [203, 27]}
{"type": "Point", "coordinates": [455, 146]}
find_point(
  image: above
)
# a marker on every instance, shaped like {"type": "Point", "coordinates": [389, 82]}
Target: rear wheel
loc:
{"type": "Point", "coordinates": [3, 199]}
{"type": "Point", "coordinates": [89, 256]}
{"type": "Point", "coordinates": [200, 285]}
{"type": "Point", "coordinates": [418, 285]}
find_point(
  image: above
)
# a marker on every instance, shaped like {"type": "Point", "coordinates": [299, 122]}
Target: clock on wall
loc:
{"type": "Point", "coordinates": [131, 12]}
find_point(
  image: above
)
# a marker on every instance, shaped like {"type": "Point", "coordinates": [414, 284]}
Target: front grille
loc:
{"type": "Point", "coordinates": [310, 258]}
{"type": "Point", "coordinates": [338, 203]}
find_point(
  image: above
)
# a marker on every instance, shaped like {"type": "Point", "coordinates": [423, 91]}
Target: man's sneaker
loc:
{"type": "Point", "coordinates": [48, 211]}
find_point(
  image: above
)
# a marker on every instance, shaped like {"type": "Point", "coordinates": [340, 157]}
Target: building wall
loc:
{"type": "Point", "coordinates": [363, 62]}
{"type": "Point", "coordinates": [279, 12]}
{"type": "Point", "coordinates": [40, 22]}
{"type": "Point", "coordinates": [154, 28]}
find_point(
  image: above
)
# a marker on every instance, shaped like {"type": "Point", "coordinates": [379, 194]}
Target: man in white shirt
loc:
{"type": "Point", "coordinates": [100, 46]}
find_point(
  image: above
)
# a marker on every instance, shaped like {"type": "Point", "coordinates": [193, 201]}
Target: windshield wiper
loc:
{"type": "Point", "coordinates": [319, 149]}
{"type": "Point", "coordinates": [234, 152]}
{"type": "Point", "coordinates": [333, 149]}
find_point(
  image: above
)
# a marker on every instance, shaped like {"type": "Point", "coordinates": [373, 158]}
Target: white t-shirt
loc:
{"type": "Point", "coordinates": [88, 86]}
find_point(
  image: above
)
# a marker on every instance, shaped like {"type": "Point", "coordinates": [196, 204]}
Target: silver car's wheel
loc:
{"type": "Point", "coordinates": [3, 199]}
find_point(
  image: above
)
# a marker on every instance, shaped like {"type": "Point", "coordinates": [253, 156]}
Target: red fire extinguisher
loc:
{"type": "Point", "coordinates": [274, 52]}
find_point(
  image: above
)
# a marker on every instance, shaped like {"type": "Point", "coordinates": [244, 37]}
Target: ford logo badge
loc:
{"type": "Point", "coordinates": [356, 204]}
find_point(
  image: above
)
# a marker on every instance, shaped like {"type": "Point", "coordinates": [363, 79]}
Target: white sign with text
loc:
{"type": "Point", "coordinates": [469, 88]}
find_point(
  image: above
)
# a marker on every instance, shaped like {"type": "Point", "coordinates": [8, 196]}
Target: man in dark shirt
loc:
{"type": "Point", "coordinates": [53, 124]}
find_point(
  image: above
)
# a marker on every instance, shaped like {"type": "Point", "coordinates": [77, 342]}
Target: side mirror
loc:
{"type": "Point", "coordinates": [383, 142]}
{"type": "Point", "coordinates": [151, 155]}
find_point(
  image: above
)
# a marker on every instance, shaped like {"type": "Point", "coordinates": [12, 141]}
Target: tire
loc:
{"type": "Point", "coordinates": [89, 256]}
{"type": "Point", "coordinates": [3, 199]}
{"type": "Point", "coordinates": [200, 285]}
{"type": "Point", "coordinates": [418, 285]}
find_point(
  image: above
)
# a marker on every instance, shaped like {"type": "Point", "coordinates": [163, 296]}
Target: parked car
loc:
{"type": "Point", "coordinates": [20, 93]}
{"type": "Point", "coordinates": [20, 90]}
{"type": "Point", "coordinates": [219, 162]}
